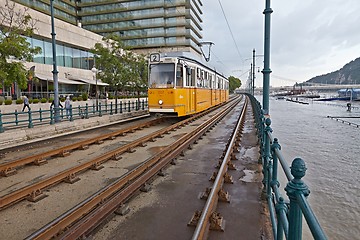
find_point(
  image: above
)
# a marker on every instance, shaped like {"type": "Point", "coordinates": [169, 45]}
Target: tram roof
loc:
{"type": "Point", "coordinates": [190, 56]}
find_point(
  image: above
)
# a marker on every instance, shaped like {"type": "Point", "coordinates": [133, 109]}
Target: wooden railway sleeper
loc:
{"type": "Point", "coordinates": [72, 178]}
{"type": "Point", "coordinates": [36, 195]}
{"type": "Point", "coordinates": [64, 153]}
{"type": "Point", "coordinates": [40, 161]}
{"type": "Point", "coordinates": [84, 147]}
{"type": "Point", "coordinates": [8, 172]}
{"type": "Point", "coordinates": [217, 222]}
{"type": "Point", "coordinates": [224, 196]}
{"type": "Point", "coordinates": [97, 166]}
{"type": "Point", "coordinates": [231, 166]}
{"type": "Point", "coordinates": [204, 195]}
{"type": "Point", "coordinates": [116, 157]}
{"type": "Point", "coordinates": [228, 178]}
{"type": "Point", "coordinates": [195, 219]}
{"type": "Point", "coordinates": [131, 150]}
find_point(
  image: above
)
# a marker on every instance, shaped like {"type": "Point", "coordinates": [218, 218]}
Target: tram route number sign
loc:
{"type": "Point", "coordinates": [155, 57]}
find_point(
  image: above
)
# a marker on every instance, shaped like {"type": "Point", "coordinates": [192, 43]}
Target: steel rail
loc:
{"type": "Point", "coordinates": [109, 198]}
{"type": "Point", "coordinates": [35, 189]}
{"type": "Point", "coordinates": [211, 203]}
{"type": "Point", "coordinates": [10, 166]}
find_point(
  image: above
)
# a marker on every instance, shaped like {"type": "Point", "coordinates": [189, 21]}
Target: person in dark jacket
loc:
{"type": "Point", "coordinates": [26, 103]}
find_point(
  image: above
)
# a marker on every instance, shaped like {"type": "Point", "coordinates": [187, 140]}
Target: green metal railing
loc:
{"type": "Point", "coordinates": [286, 216]}
{"type": "Point", "coordinates": [30, 118]}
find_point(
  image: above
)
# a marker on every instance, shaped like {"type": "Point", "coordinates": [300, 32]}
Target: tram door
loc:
{"type": "Point", "coordinates": [190, 81]}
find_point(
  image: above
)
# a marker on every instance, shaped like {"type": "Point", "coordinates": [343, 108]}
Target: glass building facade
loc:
{"type": "Point", "coordinates": [142, 24]}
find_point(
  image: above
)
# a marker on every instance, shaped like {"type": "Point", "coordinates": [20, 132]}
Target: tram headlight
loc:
{"type": "Point", "coordinates": [160, 102]}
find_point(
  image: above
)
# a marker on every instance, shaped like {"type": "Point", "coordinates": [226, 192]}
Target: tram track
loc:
{"type": "Point", "coordinates": [34, 192]}
{"type": "Point", "coordinates": [106, 200]}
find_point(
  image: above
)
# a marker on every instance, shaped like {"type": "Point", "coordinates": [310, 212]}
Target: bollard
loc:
{"type": "Point", "coordinates": [1, 124]}
{"type": "Point", "coordinates": [294, 188]}
{"type": "Point", "coordinates": [143, 105]}
{"type": "Point", "coordinates": [129, 107]}
{"type": "Point", "coordinates": [121, 106]}
{"type": "Point", "coordinates": [111, 108]}
{"type": "Point", "coordinates": [30, 125]}
{"type": "Point", "coordinates": [133, 105]}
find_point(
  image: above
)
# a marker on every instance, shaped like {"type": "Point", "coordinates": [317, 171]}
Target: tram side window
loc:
{"type": "Point", "coordinates": [179, 76]}
{"type": "Point", "coordinates": [193, 77]}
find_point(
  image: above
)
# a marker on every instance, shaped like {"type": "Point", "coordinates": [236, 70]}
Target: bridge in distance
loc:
{"type": "Point", "coordinates": [313, 87]}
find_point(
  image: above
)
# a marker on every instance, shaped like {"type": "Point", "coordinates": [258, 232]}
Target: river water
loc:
{"type": "Point", "coordinates": [331, 151]}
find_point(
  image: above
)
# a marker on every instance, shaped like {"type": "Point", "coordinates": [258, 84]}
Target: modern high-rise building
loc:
{"type": "Point", "coordinates": [144, 25]}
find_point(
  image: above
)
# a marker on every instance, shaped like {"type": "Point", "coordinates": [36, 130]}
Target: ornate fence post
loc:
{"type": "Point", "coordinates": [86, 111]}
{"type": "Point", "coordinates": [266, 153]}
{"type": "Point", "coordinates": [30, 125]}
{"type": "Point", "coordinates": [111, 108]}
{"type": "Point", "coordinates": [121, 106]}
{"type": "Point", "coordinates": [1, 124]}
{"type": "Point", "coordinates": [52, 120]}
{"type": "Point", "coordinates": [129, 106]}
{"type": "Point", "coordinates": [294, 188]}
{"type": "Point", "coordinates": [100, 113]}
{"type": "Point", "coordinates": [275, 146]}
{"type": "Point", "coordinates": [280, 208]}
{"type": "Point", "coordinates": [16, 118]}
{"type": "Point", "coordinates": [71, 113]}
{"type": "Point", "coordinates": [143, 105]}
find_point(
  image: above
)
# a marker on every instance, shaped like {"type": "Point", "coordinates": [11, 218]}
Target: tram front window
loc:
{"type": "Point", "coordinates": [162, 75]}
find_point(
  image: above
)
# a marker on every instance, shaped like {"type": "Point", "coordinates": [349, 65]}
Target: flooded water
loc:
{"type": "Point", "coordinates": [331, 151]}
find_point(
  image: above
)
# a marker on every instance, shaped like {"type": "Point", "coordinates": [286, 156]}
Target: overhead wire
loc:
{"type": "Point", "coordinates": [232, 35]}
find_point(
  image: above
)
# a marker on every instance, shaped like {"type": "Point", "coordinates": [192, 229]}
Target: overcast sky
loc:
{"type": "Point", "coordinates": [308, 37]}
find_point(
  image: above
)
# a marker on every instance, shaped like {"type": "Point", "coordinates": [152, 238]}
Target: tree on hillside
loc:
{"type": "Point", "coordinates": [16, 25]}
{"type": "Point", "coordinates": [234, 83]}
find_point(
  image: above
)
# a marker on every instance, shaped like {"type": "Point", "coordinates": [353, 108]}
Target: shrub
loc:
{"type": "Point", "coordinates": [8, 102]}
{"type": "Point", "coordinates": [43, 100]}
{"type": "Point", "coordinates": [35, 100]}
{"type": "Point", "coordinates": [84, 96]}
{"type": "Point", "coordinates": [79, 98]}
{"type": "Point", "coordinates": [1, 101]}
{"type": "Point", "coordinates": [19, 101]}
{"type": "Point", "coordinates": [50, 100]}
{"type": "Point", "coordinates": [74, 99]}
{"type": "Point", "coordinates": [62, 99]}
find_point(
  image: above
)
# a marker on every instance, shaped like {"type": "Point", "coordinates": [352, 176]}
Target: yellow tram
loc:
{"type": "Point", "coordinates": [181, 85]}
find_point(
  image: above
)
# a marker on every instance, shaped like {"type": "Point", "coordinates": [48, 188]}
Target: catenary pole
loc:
{"type": "Point", "coordinates": [266, 71]}
{"type": "Point", "coordinates": [55, 71]}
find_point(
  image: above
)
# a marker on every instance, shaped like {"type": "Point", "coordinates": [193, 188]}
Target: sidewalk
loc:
{"type": "Point", "coordinates": [19, 136]}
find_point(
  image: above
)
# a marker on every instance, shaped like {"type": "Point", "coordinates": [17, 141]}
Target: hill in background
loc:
{"type": "Point", "coordinates": [348, 74]}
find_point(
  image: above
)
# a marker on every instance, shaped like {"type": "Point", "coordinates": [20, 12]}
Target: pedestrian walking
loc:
{"type": "Point", "coordinates": [68, 107]}
{"type": "Point", "coordinates": [26, 103]}
{"type": "Point", "coordinates": [53, 103]}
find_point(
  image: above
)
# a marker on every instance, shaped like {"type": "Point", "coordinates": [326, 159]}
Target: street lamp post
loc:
{"type": "Point", "coordinates": [266, 71]}
{"type": "Point", "coordinates": [55, 71]}
{"type": "Point", "coordinates": [95, 71]}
